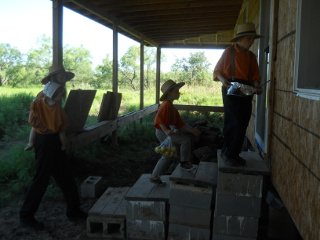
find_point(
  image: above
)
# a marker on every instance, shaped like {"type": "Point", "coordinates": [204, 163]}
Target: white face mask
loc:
{"type": "Point", "coordinates": [50, 88]}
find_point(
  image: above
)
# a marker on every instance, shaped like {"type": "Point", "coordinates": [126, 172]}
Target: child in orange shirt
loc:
{"type": "Point", "coordinates": [169, 123]}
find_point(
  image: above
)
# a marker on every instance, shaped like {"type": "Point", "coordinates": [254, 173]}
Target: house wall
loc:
{"type": "Point", "coordinates": [294, 153]}
{"type": "Point", "coordinates": [295, 139]}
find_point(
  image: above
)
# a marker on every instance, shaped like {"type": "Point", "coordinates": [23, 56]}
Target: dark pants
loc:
{"type": "Point", "coordinates": [237, 113]}
{"type": "Point", "coordinates": [50, 161]}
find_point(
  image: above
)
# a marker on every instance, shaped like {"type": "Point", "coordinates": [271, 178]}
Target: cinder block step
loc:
{"type": "Point", "coordinates": [205, 175]}
{"type": "Point", "coordinates": [255, 164]}
{"type": "Point", "coordinates": [107, 216]}
{"type": "Point", "coordinates": [144, 190]}
{"type": "Point", "coordinates": [147, 209]}
{"type": "Point", "coordinates": [184, 232]}
{"type": "Point", "coordinates": [193, 217]}
{"type": "Point", "coordinates": [239, 195]}
{"type": "Point", "coordinates": [191, 196]}
{"type": "Point", "coordinates": [223, 237]}
{"type": "Point", "coordinates": [236, 226]}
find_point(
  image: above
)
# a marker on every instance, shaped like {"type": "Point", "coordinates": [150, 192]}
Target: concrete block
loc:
{"type": "Point", "coordinates": [191, 196]}
{"type": "Point", "coordinates": [232, 205]}
{"type": "Point", "coordinates": [221, 237]}
{"type": "Point", "coordinates": [146, 210]}
{"type": "Point", "coordinates": [236, 226]}
{"type": "Point", "coordinates": [146, 229]}
{"type": "Point", "coordinates": [195, 217]}
{"type": "Point", "coordinates": [183, 232]}
{"type": "Point", "coordinates": [91, 187]}
{"type": "Point", "coordinates": [240, 185]}
{"type": "Point", "coordinates": [106, 227]}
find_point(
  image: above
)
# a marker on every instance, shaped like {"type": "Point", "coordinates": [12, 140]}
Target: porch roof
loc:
{"type": "Point", "coordinates": [166, 23]}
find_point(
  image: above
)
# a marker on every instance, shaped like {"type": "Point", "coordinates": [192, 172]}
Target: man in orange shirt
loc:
{"type": "Point", "coordinates": [237, 64]}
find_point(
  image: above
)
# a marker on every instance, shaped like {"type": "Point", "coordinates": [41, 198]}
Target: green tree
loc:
{"type": "Point", "coordinates": [104, 73]}
{"type": "Point", "coordinates": [39, 59]}
{"type": "Point", "coordinates": [193, 70]}
{"type": "Point", "coordinates": [130, 68]}
{"type": "Point", "coordinates": [9, 57]}
{"type": "Point", "coordinates": [78, 61]}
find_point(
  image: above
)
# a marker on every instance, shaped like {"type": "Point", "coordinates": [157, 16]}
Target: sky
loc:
{"type": "Point", "coordinates": [22, 22]}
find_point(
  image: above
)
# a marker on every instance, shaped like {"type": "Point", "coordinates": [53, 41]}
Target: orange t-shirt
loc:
{"type": "Point", "coordinates": [242, 64]}
{"type": "Point", "coordinates": [164, 116]}
{"type": "Point", "coordinates": [47, 119]}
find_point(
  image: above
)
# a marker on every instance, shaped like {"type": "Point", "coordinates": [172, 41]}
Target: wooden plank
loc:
{"type": "Point", "coordinates": [255, 164]}
{"type": "Point", "coordinates": [77, 108]}
{"type": "Point", "coordinates": [183, 176]}
{"type": "Point", "coordinates": [101, 129]}
{"type": "Point", "coordinates": [207, 174]}
{"type": "Point", "coordinates": [113, 205]}
{"type": "Point", "coordinates": [141, 189]}
{"type": "Point", "coordinates": [199, 108]}
{"type": "Point", "coordinates": [160, 192]}
{"type": "Point", "coordinates": [110, 106]}
{"type": "Point", "coordinates": [100, 203]}
{"type": "Point", "coordinates": [109, 203]}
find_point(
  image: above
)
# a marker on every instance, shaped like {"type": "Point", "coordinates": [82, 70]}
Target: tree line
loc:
{"type": "Point", "coordinates": [22, 70]}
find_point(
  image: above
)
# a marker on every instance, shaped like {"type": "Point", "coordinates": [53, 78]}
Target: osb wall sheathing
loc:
{"type": "Point", "coordinates": [295, 139]}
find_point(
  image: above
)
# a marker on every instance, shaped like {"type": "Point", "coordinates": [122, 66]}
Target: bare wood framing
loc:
{"type": "Point", "coordinates": [272, 74]}
{"type": "Point", "coordinates": [57, 15]}
{"type": "Point", "coordinates": [115, 58]}
{"type": "Point", "coordinates": [141, 75]}
{"type": "Point", "coordinates": [103, 128]}
{"type": "Point", "coordinates": [198, 108]}
{"type": "Point", "coordinates": [158, 74]}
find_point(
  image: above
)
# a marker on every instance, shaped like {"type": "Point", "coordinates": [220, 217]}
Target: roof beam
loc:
{"type": "Point", "coordinates": [101, 13]}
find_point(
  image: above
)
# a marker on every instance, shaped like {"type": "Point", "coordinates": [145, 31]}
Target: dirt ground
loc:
{"type": "Point", "coordinates": [118, 167]}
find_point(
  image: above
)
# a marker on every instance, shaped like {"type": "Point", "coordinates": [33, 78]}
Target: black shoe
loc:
{"type": "Point", "coordinates": [157, 181]}
{"type": "Point", "coordinates": [31, 224]}
{"type": "Point", "coordinates": [187, 166]}
{"type": "Point", "coordinates": [78, 215]}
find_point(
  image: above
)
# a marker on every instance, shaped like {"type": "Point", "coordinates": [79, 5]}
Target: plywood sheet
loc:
{"type": "Point", "coordinates": [77, 108]}
{"type": "Point", "coordinates": [110, 106]}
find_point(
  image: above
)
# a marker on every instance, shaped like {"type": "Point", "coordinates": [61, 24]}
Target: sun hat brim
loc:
{"type": "Point", "coordinates": [178, 85]}
{"type": "Point", "coordinates": [69, 76]}
{"type": "Point", "coordinates": [235, 39]}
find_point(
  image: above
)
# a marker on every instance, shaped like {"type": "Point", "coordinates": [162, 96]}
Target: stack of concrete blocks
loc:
{"type": "Point", "coordinates": [238, 203]}
{"type": "Point", "coordinates": [238, 199]}
{"type": "Point", "coordinates": [191, 205]}
{"type": "Point", "coordinates": [147, 209]}
{"type": "Point", "coordinates": [91, 187]}
{"type": "Point", "coordinates": [107, 217]}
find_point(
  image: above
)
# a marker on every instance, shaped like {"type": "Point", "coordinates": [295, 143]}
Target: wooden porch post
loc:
{"type": "Point", "coordinates": [115, 58]}
{"type": "Point", "coordinates": [158, 68]}
{"type": "Point", "coordinates": [115, 74]}
{"type": "Point", "coordinates": [141, 74]}
{"type": "Point", "coordinates": [57, 15]}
